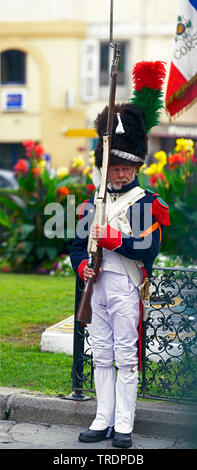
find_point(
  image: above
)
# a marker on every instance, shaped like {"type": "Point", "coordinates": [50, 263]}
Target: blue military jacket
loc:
{"type": "Point", "coordinates": [126, 245]}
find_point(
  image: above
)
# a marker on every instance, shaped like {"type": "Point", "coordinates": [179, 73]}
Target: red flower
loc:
{"type": "Point", "coordinates": [64, 191]}
{"type": "Point", "coordinates": [29, 147]}
{"type": "Point", "coordinates": [90, 187]}
{"type": "Point", "coordinates": [154, 179]}
{"type": "Point", "coordinates": [176, 159]}
{"type": "Point", "coordinates": [39, 150]}
{"type": "Point", "coordinates": [21, 166]}
{"type": "Point", "coordinates": [36, 171]}
{"type": "Point", "coordinates": [162, 177]}
{"type": "Point", "coordinates": [193, 158]}
{"type": "Point", "coordinates": [28, 144]}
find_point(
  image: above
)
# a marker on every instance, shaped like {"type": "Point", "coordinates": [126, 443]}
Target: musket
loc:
{"type": "Point", "coordinates": [84, 312]}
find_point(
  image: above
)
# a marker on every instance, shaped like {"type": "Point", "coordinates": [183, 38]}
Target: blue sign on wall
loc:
{"type": "Point", "coordinates": [14, 101]}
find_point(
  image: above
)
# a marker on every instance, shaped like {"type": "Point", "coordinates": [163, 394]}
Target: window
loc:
{"type": "Point", "coordinates": [89, 70]}
{"type": "Point", "coordinates": [96, 61]}
{"type": "Point", "coordinates": [9, 155]}
{"type": "Point", "coordinates": [105, 64]}
{"type": "Point", "coordinates": [13, 67]}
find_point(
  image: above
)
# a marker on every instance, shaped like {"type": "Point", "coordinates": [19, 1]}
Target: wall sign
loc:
{"type": "Point", "coordinates": [14, 100]}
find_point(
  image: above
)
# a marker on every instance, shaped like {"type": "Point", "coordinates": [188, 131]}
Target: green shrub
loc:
{"type": "Point", "coordinates": [22, 216]}
{"type": "Point", "coordinates": [174, 177]}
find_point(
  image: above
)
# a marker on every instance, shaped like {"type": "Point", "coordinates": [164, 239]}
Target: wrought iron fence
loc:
{"type": "Point", "coordinates": [169, 368]}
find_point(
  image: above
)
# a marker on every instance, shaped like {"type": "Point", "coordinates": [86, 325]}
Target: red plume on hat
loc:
{"type": "Point", "coordinates": [148, 78]}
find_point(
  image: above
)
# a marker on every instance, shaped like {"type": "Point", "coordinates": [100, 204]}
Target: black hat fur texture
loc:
{"type": "Point", "coordinates": [132, 140]}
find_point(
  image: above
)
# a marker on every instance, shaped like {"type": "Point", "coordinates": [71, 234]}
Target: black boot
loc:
{"type": "Point", "coordinates": [122, 440]}
{"type": "Point", "coordinates": [96, 436]}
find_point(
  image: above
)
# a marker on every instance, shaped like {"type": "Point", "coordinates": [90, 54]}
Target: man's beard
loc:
{"type": "Point", "coordinates": [119, 184]}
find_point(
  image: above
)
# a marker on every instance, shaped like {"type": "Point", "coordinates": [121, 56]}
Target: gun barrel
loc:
{"type": "Point", "coordinates": [84, 312]}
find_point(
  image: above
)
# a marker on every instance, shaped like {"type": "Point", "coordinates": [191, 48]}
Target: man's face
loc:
{"type": "Point", "coordinates": [119, 175]}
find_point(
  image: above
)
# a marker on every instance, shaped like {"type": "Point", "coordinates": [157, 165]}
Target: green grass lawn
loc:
{"type": "Point", "coordinates": [29, 304]}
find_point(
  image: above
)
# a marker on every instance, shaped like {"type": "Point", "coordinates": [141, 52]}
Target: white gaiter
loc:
{"type": "Point", "coordinates": [126, 393]}
{"type": "Point", "coordinates": [105, 393]}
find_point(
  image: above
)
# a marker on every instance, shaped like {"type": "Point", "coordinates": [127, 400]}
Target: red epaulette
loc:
{"type": "Point", "coordinates": [160, 210]}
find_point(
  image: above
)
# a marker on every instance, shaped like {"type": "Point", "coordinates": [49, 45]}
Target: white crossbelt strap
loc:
{"type": "Point", "coordinates": [116, 217]}
{"type": "Point", "coordinates": [126, 199]}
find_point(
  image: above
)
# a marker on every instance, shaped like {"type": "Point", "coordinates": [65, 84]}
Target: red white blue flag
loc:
{"type": "Point", "coordinates": [181, 91]}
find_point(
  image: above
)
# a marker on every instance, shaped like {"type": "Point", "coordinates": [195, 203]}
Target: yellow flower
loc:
{"type": "Point", "coordinates": [185, 145]}
{"type": "Point", "coordinates": [161, 157]}
{"type": "Point", "coordinates": [78, 162]}
{"type": "Point", "coordinates": [42, 164]}
{"type": "Point", "coordinates": [155, 168]}
{"type": "Point", "coordinates": [142, 168]}
{"type": "Point", "coordinates": [62, 172]}
{"type": "Point", "coordinates": [167, 185]}
{"type": "Point", "coordinates": [92, 158]}
{"type": "Point", "coordinates": [86, 170]}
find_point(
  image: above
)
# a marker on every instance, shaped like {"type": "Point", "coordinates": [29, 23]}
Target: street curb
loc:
{"type": "Point", "coordinates": [153, 418]}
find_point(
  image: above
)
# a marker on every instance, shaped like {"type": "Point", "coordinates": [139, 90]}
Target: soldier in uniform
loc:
{"type": "Point", "coordinates": [130, 241]}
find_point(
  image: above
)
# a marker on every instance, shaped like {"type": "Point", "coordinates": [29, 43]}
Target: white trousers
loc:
{"type": "Point", "coordinates": [114, 335]}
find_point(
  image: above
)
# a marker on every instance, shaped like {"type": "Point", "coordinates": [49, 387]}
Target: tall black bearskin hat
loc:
{"type": "Point", "coordinates": [133, 120]}
{"type": "Point", "coordinates": [129, 138]}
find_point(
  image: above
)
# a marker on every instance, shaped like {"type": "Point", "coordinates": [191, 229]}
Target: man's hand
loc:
{"type": "Point", "coordinates": [98, 231]}
{"type": "Point", "coordinates": [88, 273]}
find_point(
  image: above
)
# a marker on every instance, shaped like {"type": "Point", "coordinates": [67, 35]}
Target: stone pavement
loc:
{"type": "Point", "coordinates": [56, 436]}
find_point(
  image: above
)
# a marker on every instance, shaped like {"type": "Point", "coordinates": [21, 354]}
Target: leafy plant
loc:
{"type": "Point", "coordinates": [174, 177]}
{"type": "Point", "coordinates": [23, 216]}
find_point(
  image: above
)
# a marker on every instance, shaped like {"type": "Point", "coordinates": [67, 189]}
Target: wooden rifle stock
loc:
{"type": "Point", "coordinates": [84, 312]}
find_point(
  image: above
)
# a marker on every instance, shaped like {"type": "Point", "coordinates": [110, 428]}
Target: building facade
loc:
{"type": "Point", "coordinates": [54, 70]}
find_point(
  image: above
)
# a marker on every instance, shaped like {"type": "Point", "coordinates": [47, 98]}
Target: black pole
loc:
{"type": "Point", "coordinates": [78, 350]}
{"type": "Point", "coordinates": [144, 323]}
{"type": "Point", "coordinates": [78, 347]}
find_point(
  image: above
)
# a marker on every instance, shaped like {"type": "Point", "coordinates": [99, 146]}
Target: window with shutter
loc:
{"type": "Point", "coordinates": [95, 70]}
{"type": "Point", "coordinates": [89, 70]}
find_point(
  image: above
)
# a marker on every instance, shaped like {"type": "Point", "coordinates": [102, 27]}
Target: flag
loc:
{"type": "Point", "coordinates": [181, 91]}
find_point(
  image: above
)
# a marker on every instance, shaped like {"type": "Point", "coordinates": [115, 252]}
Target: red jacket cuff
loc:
{"type": "Point", "coordinates": [111, 240]}
{"type": "Point", "coordinates": [81, 268]}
